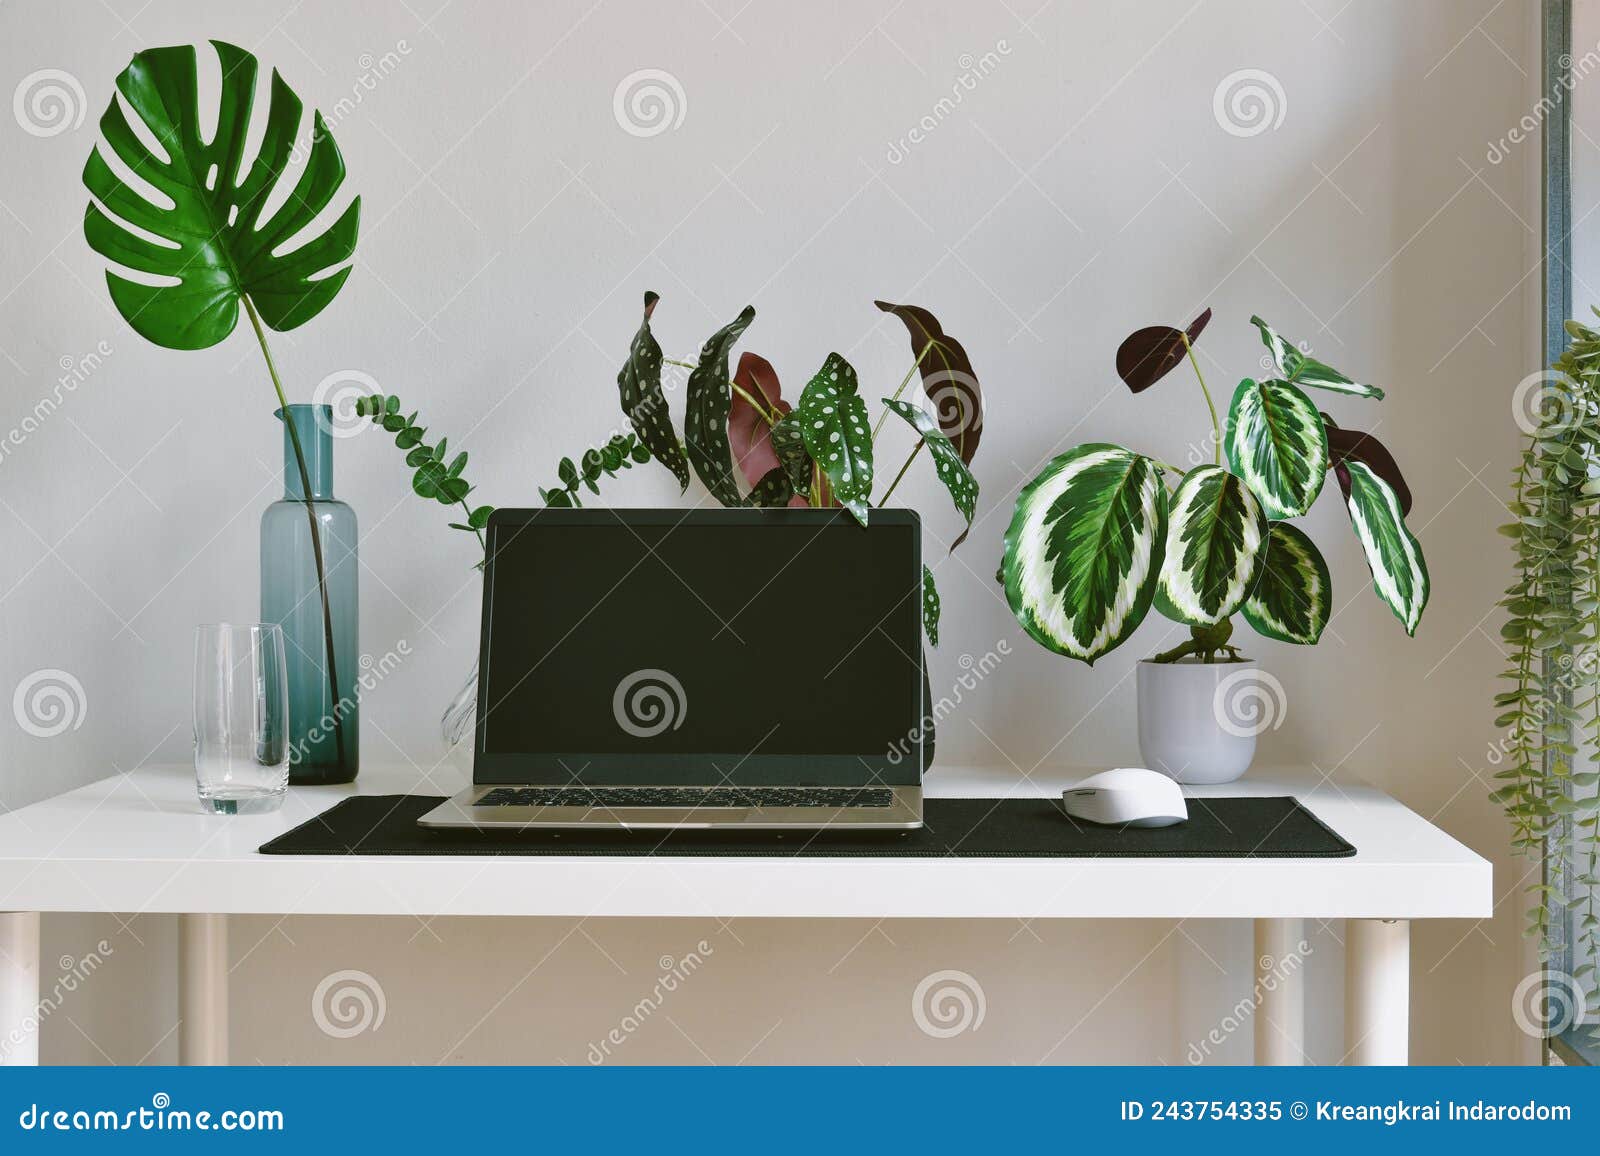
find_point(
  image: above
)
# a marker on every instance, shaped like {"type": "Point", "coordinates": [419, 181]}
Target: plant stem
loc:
{"type": "Point", "coordinates": [316, 530]}
{"type": "Point", "coordinates": [468, 509]}
{"type": "Point", "coordinates": [1216, 432]}
{"type": "Point", "coordinates": [883, 500]}
{"type": "Point", "coordinates": [899, 389]}
{"type": "Point", "coordinates": [770, 418]}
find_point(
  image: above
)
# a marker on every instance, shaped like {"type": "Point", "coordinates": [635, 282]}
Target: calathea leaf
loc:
{"type": "Point", "coordinates": [789, 443]}
{"type": "Point", "coordinates": [643, 401]}
{"type": "Point", "coordinates": [1399, 574]}
{"type": "Point", "coordinates": [217, 248]}
{"type": "Point", "coordinates": [705, 418]}
{"type": "Point", "coordinates": [749, 432]}
{"type": "Point", "coordinates": [1084, 549]}
{"type": "Point", "coordinates": [952, 470]}
{"type": "Point", "coordinates": [833, 421]}
{"type": "Point", "coordinates": [1344, 444]}
{"type": "Point", "coordinates": [1294, 598]}
{"type": "Point", "coordinates": [1215, 548]}
{"type": "Point", "coordinates": [1303, 369]}
{"type": "Point", "coordinates": [947, 377]}
{"type": "Point", "coordinates": [1275, 442]}
{"type": "Point", "coordinates": [1149, 354]}
{"type": "Point", "coordinates": [930, 607]}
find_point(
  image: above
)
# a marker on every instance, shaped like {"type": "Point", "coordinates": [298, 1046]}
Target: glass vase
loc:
{"type": "Point", "coordinates": [459, 724]}
{"type": "Point", "coordinates": [322, 659]}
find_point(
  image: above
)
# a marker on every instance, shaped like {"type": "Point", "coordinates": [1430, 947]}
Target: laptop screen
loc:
{"type": "Point", "coordinates": [778, 647]}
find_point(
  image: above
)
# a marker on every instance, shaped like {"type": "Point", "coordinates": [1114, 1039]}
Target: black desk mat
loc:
{"type": "Point", "coordinates": [1233, 828]}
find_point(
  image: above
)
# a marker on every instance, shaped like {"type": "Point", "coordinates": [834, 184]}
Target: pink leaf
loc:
{"type": "Point", "coordinates": [748, 431]}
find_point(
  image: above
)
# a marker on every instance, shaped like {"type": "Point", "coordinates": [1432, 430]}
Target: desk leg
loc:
{"type": "Point", "coordinates": [19, 988]}
{"type": "Point", "coordinates": [202, 990]}
{"type": "Point", "coordinates": [1377, 991]}
{"type": "Point", "coordinates": [1280, 995]}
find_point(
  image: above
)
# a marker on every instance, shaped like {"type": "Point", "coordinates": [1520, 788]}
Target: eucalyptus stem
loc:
{"type": "Point", "coordinates": [1216, 431]}
{"type": "Point", "coordinates": [316, 529]}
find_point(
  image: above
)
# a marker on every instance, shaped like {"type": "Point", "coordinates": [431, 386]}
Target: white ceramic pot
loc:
{"type": "Point", "coordinates": [1198, 721]}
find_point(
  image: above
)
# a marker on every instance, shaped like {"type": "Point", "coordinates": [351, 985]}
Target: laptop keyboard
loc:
{"type": "Point", "coordinates": [613, 798]}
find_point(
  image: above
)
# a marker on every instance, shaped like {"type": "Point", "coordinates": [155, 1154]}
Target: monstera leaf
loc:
{"type": "Point", "coordinates": [1149, 354]}
{"type": "Point", "coordinates": [1275, 442]}
{"type": "Point", "coordinates": [705, 417]}
{"type": "Point", "coordinates": [1084, 549]}
{"type": "Point", "coordinates": [947, 461]}
{"type": "Point", "coordinates": [833, 421]}
{"type": "Point", "coordinates": [1294, 598]}
{"type": "Point", "coordinates": [1216, 545]}
{"type": "Point", "coordinates": [947, 377]}
{"type": "Point", "coordinates": [1399, 574]}
{"type": "Point", "coordinates": [211, 241]}
{"type": "Point", "coordinates": [1302, 369]}
{"type": "Point", "coordinates": [645, 403]}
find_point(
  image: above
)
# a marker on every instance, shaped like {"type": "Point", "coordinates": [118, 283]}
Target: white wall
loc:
{"type": "Point", "coordinates": [1082, 188]}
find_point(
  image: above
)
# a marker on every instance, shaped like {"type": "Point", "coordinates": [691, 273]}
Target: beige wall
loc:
{"type": "Point", "coordinates": [1083, 187]}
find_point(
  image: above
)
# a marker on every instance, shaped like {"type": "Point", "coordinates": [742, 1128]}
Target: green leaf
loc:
{"type": "Point", "coordinates": [705, 418]}
{"type": "Point", "coordinates": [1215, 548]}
{"type": "Point", "coordinates": [1084, 548]}
{"type": "Point", "coordinates": [1399, 574]}
{"type": "Point", "coordinates": [947, 377]}
{"type": "Point", "coordinates": [429, 480]}
{"type": "Point", "coordinates": [1277, 443]}
{"type": "Point", "coordinates": [1302, 369]}
{"type": "Point", "coordinates": [215, 245]}
{"type": "Point", "coordinates": [642, 400]}
{"type": "Point", "coordinates": [480, 517]}
{"type": "Point", "coordinates": [947, 461]}
{"type": "Point", "coordinates": [772, 490]}
{"type": "Point", "coordinates": [458, 465]}
{"type": "Point", "coordinates": [568, 473]}
{"type": "Point", "coordinates": [789, 443]}
{"type": "Point", "coordinates": [1294, 598]}
{"type": "Point", "coordinates": [833, 421]}
{"type": "Point", "coordinates": [930, 607]}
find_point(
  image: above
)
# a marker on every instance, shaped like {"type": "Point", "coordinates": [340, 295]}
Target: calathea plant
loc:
{"type": "Point", "coordinates": [1097, 538]}
{"type": "Point", "coordinates": [1551, 707]}
{"type": "Point", "coordinates": [212, 248]}
{"type": "Point", "coordinates": [750, 447]}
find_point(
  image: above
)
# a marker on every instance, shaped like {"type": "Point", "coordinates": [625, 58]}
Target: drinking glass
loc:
{"type": "Point", "coordinates": [241, 718]}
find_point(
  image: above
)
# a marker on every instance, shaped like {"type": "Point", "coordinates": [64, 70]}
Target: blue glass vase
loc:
{"type": "Point", "coordinates": [324, 703]}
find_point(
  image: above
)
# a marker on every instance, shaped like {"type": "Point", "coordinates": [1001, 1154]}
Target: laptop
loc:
{"type": "Point", "coordinates": [709, 668]}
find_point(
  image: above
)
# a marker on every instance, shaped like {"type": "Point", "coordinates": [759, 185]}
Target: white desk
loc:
{"type": "Point", "coordinates": [139, 843]}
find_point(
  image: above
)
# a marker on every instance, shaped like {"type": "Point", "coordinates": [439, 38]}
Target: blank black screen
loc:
{"type": "Point", "coordinates": [755, 649]}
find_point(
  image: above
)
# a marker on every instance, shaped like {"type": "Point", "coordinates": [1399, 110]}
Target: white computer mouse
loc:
{"type": "Point", "coordinates": [1127, 797]}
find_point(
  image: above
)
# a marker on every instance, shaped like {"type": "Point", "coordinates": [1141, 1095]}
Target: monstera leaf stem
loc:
{"type": "Point", "coordinates": [1216, 432]}
{"type": "Point", "coordinates": [311, 516]}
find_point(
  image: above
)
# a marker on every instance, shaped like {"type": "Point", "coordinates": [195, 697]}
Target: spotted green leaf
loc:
{"type": "Point", "coordinates": [1303, 369]}
{"type": "Point", "coordinates": [772, 490]}
{"type": "Point", "coordinates": [203, 234]}
{"type": "Point", "coordinates": [833, 421]}
{"type": "Point", "coordinates": [1276, 442]}
{"type": "Point", "coordinates": [1215, 547]}
{"type": "Point", "coordinates": [953, 472]}
{"type": "Point", "coordinates": [705, 416]}
{"type": "Point", "coordinates": [1399, 574]}
{"type": "Point", "coordinates": [1294, 598]}
{"type": "Point", "coordinates": [1084, 549]}
{"type": "Point", "coordinates": [789, 443]}
{"type": "Point", "coordinates": [930, 607]}
{"type": "Point", "coordinates": [645, 404]}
